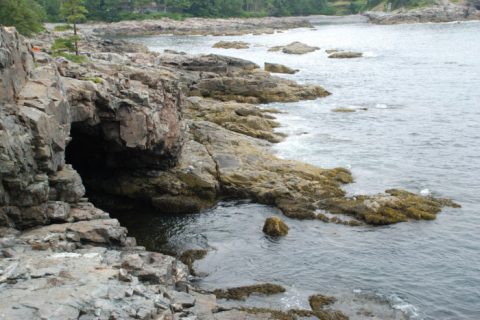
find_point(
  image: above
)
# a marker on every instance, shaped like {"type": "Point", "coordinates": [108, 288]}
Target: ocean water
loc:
{"type": "Point", "coordinates": [420, 87]}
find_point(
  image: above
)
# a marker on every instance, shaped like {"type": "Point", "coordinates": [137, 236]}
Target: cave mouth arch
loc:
{"type": "Point", "coordinates": [96, 160]}
{"type": "Point", "coordinates": [91, 156]}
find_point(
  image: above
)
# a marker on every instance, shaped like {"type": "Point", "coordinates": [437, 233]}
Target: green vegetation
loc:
{"type": "Point", "coordinates": [242, 293]}
{"type": "Point", "coordinates": [62, 47]}
{"type": "Point", "coordinates": [26, 15]}
{"type": "Point", "coordinates": [73, 12]}
{"type": "Point", "coordinates": [63, 27]}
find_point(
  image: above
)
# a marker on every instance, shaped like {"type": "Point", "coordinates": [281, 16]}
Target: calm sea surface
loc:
{"type": "Point", "coordinates": [420, 85]}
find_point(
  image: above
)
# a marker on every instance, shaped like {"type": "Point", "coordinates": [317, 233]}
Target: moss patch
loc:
{"type": "Point", "coordinates": [294, 314]}
{"type": "Point", "coordinates": [241, 293]}
{"type": "Point", "coordinates": [319, 301]}
{"type": "Point", "coordinates": [393, 207]}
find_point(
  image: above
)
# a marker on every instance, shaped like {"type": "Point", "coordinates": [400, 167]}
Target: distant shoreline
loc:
{"type": "Point", "coordinates": [269, 25]}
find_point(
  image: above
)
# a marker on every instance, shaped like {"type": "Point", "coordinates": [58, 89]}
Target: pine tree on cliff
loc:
{"type": "Point", "coordinates": [74, 12]}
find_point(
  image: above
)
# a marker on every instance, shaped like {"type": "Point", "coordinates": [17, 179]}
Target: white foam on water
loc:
{"type": "Point", "coordinates": [381, 106]}
{"type": "Point", "coordinates": [370, 54]}
{"type": "Point", "coordinates": [406, 308]}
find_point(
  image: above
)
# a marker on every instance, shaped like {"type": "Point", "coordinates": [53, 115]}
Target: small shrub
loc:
{"type": "Point", "coordinates": [63, 27]}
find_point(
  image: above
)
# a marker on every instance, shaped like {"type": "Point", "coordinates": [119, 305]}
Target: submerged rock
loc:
{"type": "Point", "coordinates": [231, 45]}
{"type": "Point", "coordinates": [241, 293]}
{"type": "Point", "coordinates": [294, 48]}
{"type": "Point", "coordinates": [279, 68]}
{"type": "Point", "coordinates": [344, 110]}
{"type": "Point", "coordinates": [318, 301]}
{"type": "Point", "coordinates": [275, 227]}
{"type": "Point", "coordinates": [345, 55]}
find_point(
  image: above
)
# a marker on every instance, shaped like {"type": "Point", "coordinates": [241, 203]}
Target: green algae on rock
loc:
{"type": "Point", "coordinates": [241, 293]}
{"type": "Point", "coordinates": [231, 45]}
{"type": "Point", "coordinates": [275, 227]}
{"type": "Point", "coordinates": [318, 301]}
{"type": "Point", "coordinates": [393, 207]}
{"type": "Point", "coordinates": [294, 314]}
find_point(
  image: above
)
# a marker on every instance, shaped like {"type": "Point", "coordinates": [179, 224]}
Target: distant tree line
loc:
{"type": "Point", "coordinates": [28, 15]}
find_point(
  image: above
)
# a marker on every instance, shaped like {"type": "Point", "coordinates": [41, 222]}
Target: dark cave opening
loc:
{"type": "Point", "coordinates": [91, 156]}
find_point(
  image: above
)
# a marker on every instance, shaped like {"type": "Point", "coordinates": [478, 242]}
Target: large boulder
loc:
{"type": "Point", "coordinates": [294, 48]}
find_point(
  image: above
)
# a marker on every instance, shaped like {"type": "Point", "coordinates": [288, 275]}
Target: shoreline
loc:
{"type": "Point", "coordinates": [448, 12]}
{"type": "Point", "coordinates": [180, 161]}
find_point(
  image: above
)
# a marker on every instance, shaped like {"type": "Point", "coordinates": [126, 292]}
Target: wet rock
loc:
{"type": "Point", "coordinates": [345, 55]}
{"type": "Point", "coordinates": [344, 110]}
{"type": "Point", "coordinates": [190, 256]}
{"type": "Point", "coordinates": [318, 302]}
{"type": "Point", "coordinates": [231, 45]}
{"type": "Point", "coordinates": [392, 207]}
{"type": "Point", "coordinates": [241, 293]}
{"type": "Point", "coordinates": [275, 227]}
{"type": "Point", "coordinates": [292, 314]}
{"type": "Point", "coordinates": [278, 68]}
{"type": "Point", "coordinates": [294, 48]}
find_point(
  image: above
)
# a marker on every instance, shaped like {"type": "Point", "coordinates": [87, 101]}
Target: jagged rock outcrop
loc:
{"type": "Point", "coordinates": [34, 131]}
{"type": "Point", "coordinates": [130, 118]}
{"type": "Point", "coordinates": [444, 11]}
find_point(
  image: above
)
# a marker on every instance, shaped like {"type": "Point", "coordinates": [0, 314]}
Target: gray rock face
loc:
{"type": "Point", "coordinates": [34, 131]}
{"type": "Point", "coordinates": [279, 68]}
{"type": "Point", "coordinates": [445, 12]}
{"type": "Point", "coordinates": [294, 48]}
{"type": "Point", "coordinates": [127, 116]}
{"type": "Point", "coordinates": [200, 26]}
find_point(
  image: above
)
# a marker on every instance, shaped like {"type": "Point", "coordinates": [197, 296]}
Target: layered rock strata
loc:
{"type": "Point", "coordinates": [444, 11]}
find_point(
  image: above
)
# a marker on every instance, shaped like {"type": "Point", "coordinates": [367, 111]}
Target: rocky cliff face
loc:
{"type": "Point", "coordinates": [128, 118]}
{"type": "Point", "coordinates": [444, 11]}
